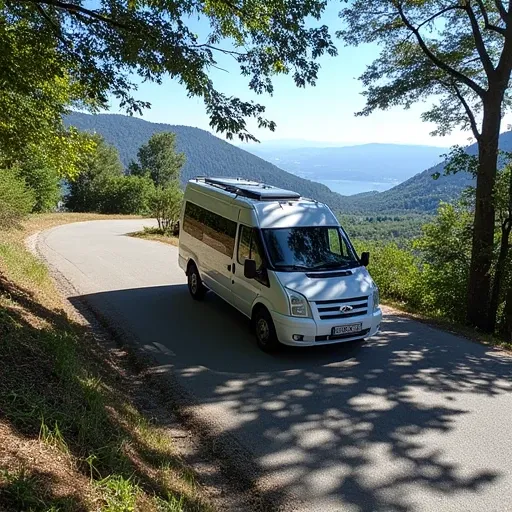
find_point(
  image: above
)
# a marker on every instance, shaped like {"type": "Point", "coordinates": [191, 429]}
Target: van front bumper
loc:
{"type": "Point", "coordinates": [319, 332]}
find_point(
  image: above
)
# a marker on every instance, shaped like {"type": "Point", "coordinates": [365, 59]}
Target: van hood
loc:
{"type": "Point", "coordinates": [322, 287]}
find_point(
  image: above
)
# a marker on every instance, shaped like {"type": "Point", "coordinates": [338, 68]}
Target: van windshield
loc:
{"type": "Point", "coordinates": [309, 248]}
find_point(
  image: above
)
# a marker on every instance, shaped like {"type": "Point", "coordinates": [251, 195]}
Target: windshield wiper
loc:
{"type": "Point", "coordinates": [332, 264]}
{"type": "Point", "coordinates": [299, 268]}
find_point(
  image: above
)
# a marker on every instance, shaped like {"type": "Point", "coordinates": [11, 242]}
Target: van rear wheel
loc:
{"type": "Point", "coordinates": [195, 283]}
{"type": "Point", "coordinates": [266, 336]}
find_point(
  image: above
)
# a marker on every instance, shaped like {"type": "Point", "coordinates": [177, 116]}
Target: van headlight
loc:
{"type": "Point", "coordinates": [298, 304]}
{"type": "Point", "coordinates": [376, 298]}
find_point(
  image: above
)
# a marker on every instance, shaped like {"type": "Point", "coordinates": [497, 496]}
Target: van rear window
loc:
{"type": "Point", "coordinates": [214, 230]}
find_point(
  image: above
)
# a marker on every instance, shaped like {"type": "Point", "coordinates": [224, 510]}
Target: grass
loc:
{"type": "Point", "coordinates": [157, 235]}
{"type": "Point", "coordinates": [72, 437]}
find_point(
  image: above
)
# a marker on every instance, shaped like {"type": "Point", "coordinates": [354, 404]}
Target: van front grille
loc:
{"type": "Point", "coordinates": [341, 308]}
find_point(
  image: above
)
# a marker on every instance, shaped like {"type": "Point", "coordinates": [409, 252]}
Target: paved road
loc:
{"type": "Point", "coordinates": [413, 420]}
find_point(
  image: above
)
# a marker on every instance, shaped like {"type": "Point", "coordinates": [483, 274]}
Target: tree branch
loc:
{"type": "Point", "coordinates": [73, 8]}
{"type": "Point", "coordinates": [217, 49]}
{"type": "Point", "coordinates": [52, 24]}
{"type": "Point", "coordinates": [442, 11]}
{"type": "Point", "coordinates": [501, 9]}
{"type": "Point", "coordinates": [488, 25]}
{"type": "Point", "coordinates": [469, 112]}
{"type": "Point", "coordinates": [436, 60]}
{"type": "Point", "coordinates": [479, 42]}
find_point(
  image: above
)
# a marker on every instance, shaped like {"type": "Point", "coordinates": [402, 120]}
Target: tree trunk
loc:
{"type": "Point", "coordinates": [498, 274]}
{"type": "Point", "coordinates": [483, 232]}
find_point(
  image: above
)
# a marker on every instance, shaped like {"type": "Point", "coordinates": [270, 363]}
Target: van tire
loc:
{"type": "Point", "coordinates": [195, 283]}
{"type": "Point", "coordinates": [265, 330]}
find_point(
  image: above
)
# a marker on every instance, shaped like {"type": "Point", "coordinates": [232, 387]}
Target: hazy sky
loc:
{"type": "Point", "coordinates": [323, 113]}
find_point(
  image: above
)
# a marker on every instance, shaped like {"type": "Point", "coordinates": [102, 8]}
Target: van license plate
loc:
{"type": "Point", "coordinates": [346, 329]}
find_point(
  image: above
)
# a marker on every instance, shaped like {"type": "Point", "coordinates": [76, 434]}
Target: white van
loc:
{"type": "Point", "coordinates": [282, 260]}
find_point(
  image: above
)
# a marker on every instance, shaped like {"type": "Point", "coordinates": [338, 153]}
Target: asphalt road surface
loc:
{"type": "Point", "coordinates": [415, 419]}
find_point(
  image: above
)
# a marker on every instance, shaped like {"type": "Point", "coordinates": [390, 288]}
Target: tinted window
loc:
{"type": "Point", "coordinates": [248, 247]}
{"type": "Point", "coordinates": [212, 229]}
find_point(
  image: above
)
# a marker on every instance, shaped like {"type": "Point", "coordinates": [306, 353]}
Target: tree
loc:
{"type": "Point", "coordinates": [460, 52]}
{"type": "Point", "coordinates": [158, 160]}
{"type": "Point", "coordinates": [165, 205]}
{"type": "Point", "coordinates": [37, 89]}
{"type": "Point", "coordinates": [87, 193]}
{"type": "Point", "coordinates": [16, 199]}
{"type": "Point", "coordinates": [100, 44]}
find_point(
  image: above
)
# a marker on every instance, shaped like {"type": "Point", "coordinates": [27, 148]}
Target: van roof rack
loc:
{"type": "Point", "coordinates": [250, 189]}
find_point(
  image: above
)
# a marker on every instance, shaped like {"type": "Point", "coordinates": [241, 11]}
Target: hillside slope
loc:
{"type": "Point", "coordinates": [206, 154]}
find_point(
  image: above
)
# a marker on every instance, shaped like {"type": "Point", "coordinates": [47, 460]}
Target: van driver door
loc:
{"type": "Point", "coordinates": [246, 290]}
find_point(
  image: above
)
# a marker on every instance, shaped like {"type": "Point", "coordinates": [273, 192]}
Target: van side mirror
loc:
{"type": "Point", "coordinates": [250, 271]}
{"type": "Point", "coordinates": [365, 259]}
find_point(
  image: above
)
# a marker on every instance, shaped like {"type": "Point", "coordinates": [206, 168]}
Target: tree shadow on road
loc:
{"type": "Point", "coordinates": [365, 427]}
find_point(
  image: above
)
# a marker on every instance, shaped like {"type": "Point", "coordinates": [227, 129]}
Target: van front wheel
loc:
{"type": "Point", "coordinates": [266, 336]}
{"type": "Point", "coordinates": [195, 283]}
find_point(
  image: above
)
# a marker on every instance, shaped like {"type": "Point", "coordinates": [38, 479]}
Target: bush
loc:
{"type": "Point", "coordinates": [165, 206]}
{"type": "Point", "coordinates": [431, 276]}
{"type": "Point", "coordinates": [126, 195]}
{"type": "Point", "coordinates": [395, 270]}
{"type": "Point", "coordinates": [16, 199]}
{"type": "Point", "coordinates": [45, 183]}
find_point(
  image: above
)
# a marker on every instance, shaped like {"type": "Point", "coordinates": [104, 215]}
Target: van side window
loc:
{"type": "Point", "coordinates": [248, 247]}
{"type": "Point", "coordinates": [212, 229]}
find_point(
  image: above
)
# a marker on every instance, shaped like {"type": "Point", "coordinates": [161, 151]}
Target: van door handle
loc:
{"type": "Point", "coordinates": [233, 268]}
{"type": "Point", "coordinates": [229, 268]}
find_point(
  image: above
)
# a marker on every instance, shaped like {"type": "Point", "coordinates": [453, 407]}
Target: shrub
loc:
{"type": "Point", "coordinates": [126, 195]}
{"type": "Point", "coordinates": [45, 184]}
{"type": "Point", "coordinates": [165, 205]}
{"type": "Point", "coordinates": [16, 199]}
{"type": "Point", "coordinates": [395, 270]}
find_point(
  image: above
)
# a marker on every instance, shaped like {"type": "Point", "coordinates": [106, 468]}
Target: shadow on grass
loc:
{"type": "Point", "coordinates": [33, 490]}
{"type": "Point", "coordinates": [365, 427]}
{"type": "Point", "coordinates": [59, 386]}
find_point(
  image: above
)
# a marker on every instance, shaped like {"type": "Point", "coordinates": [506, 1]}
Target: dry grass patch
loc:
{"type": "Point", "coordinates": [71, 437]}
{"type": "Point", "coordinates": [156, 235]}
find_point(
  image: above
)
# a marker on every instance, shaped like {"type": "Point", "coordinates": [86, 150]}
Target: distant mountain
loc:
{"type": "Point", "coordinates": [206, 154]}
{"type": "Point", "coordinates": [268, 146]}
{"type": "Point", "coordinates": [421, 193]}
{"type": "Point", "coordinates": [378, 163]}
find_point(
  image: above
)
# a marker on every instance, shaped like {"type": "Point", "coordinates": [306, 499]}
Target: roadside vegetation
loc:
{"type": "Point", "coordinates": [428, 275]}
{"type": "Point", "coordinates": [72, 436]}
